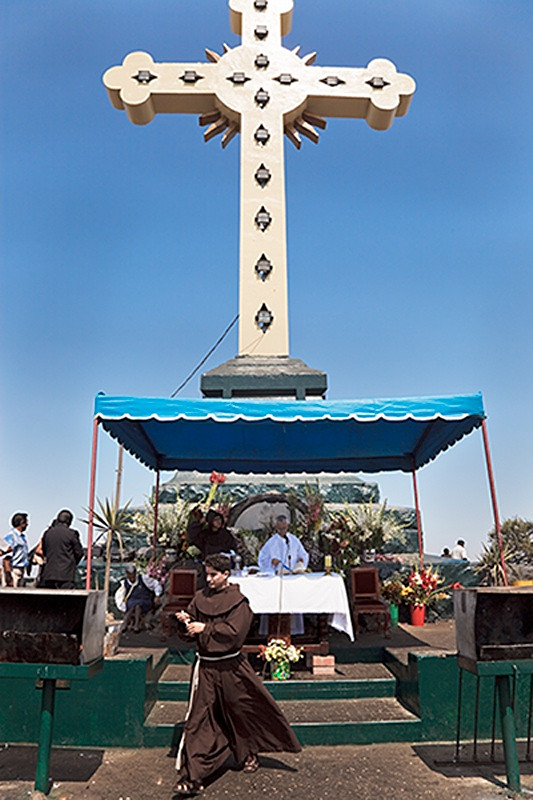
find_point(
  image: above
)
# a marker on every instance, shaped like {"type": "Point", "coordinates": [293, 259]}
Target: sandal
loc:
{"type": "Point", "coordinates": [186, 787]}
{"type": "Point", "coordinates": [251, 764]}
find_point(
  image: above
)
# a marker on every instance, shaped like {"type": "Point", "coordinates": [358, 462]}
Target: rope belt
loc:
{"type": "Point", "coordinates": [219, 658]}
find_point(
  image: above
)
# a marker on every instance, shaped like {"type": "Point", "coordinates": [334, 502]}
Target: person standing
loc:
{"type": "Point", "coordinates": [4, 547]}
{"type": "Point", "coordinates": [17, 547]}
{"type": "Point", "coordinates": [62, 551]}
{"type": "Point", "coordinates": [283, 551]}
{"type": "Point", "coordinates": [230, 711]}
{"type": "Point", "coordinates": [214, 537]}
{"type": "Point", "coordinates": [459, 551]}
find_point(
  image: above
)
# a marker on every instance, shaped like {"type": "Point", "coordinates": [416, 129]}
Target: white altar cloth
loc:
{"type": "Point", "coordinates": [310, 593]}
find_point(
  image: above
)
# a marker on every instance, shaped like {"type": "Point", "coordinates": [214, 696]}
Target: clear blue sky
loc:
{"type": "Point", "coordinates": [409, 251]}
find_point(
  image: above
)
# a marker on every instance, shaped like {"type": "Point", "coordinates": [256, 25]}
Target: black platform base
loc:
{"type": "Point", "coordinates": [264, 376]}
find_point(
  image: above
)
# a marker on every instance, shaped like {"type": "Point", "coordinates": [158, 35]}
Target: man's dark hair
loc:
{"type": "Point", "coordinates": [461, 542]}
{"type": "Point", "coordinates": [18, 518]}
{"type": "Point", "coordinates": [218, 562]}
{"type": "Point", "coordinates": [65, 516]}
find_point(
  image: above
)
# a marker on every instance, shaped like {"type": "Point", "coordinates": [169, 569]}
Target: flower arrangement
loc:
{"type": "Point", "coordinates": [357, 529]}
{"type": "Point", "coordinates": [423, 586]}
{"type": "Point", "coordinates": [279, 651]}
{"type": "Point", "coordinates": [158, 569]}
{"type": "Point", "coordinates": [392, 591]}
{"type": "Point", "coordinates": [215, 479]}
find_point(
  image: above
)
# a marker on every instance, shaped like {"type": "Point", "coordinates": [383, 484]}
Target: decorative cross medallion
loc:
{"type": "Point", "coordinates": [262, 91]}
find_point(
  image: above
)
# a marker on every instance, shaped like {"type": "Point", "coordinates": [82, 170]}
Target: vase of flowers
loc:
{"type": "Point", "coordinates": [392, 590]}
{"type": "Point", "coordinates": [423, 586]}
{"type": "Point", "coordinates": [279, 655]}
{"type": "Point", "coordinates": [280, 670]}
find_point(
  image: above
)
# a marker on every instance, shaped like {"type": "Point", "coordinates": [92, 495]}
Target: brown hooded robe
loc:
{"type": "Point", "coordinates": [230, 711]}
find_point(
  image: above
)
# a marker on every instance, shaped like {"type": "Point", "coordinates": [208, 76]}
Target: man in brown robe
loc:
{"type": "Point", "coordinates": [230, 711]}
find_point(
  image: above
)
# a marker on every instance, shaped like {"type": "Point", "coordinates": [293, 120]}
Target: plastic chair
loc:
{"type": "Point", "coordinates": [366, 597]}
{"type": "Point", "coordinates": [182, 588]}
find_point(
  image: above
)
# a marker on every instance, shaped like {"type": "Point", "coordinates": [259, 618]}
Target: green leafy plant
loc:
{"type": "Point", "coordinates": [113, 522]}
{"type": "Point", "coordinates": [517, 540]}
{"type": "Point", "coordinates": [360, 528]}
{"type": "Point", "coordinates": [517, 535]}
{"type": "Point", "coordinates": [172, 522]}
{"type": "Point", "coordinates": [490, 568]}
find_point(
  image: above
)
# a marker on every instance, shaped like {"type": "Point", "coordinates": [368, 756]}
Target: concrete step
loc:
{"type": "Point", "coordinates": [297, 711]}
{"type": "Point", "coordinates": [327, 722]}
{"type": "Point", "coordinates": [349, 681]}
{"type": "Point", "coordinates": [358, 671]}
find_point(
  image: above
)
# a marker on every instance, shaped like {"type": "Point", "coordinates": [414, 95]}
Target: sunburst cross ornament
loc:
{"type": "Point", "coordinates": [261, 90]}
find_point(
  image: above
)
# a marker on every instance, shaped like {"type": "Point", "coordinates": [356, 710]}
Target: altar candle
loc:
{"type": "Point", "coordinates": [327, 563]}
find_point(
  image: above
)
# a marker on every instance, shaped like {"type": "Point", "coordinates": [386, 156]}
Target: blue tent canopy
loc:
{"type": "Point", "coordinates": [288, 436]}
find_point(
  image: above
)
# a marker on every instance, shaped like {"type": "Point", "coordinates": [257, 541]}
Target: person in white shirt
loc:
{"type": "Point", "coordinates": [283, 552]}
{"type": "Point", "coordinates": [459, 551]}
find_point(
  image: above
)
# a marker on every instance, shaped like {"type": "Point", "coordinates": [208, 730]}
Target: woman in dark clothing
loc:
{"type": "Point", "coordinates": [230, 711]}
{"type": "Point", "coordinates": [212, 538]}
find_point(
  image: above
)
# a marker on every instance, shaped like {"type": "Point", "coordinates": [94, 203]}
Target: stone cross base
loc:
{"type": "Point", "coordinates": [264, 376]}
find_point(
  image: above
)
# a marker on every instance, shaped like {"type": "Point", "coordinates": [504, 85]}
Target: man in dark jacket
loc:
{"type": "Point", "coordinates": [62, 550]}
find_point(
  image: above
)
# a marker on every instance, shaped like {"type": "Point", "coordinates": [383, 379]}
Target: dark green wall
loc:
{"type": "Point", "coordinates": [109, 710]}
{"type": "Point", "coordinates": [106, 711]}
{"type": "Point", "coordinates": [428, 685]}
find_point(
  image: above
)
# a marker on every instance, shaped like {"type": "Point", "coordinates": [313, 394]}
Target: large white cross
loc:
{"type": "Point", "coordinates": [262, 91]}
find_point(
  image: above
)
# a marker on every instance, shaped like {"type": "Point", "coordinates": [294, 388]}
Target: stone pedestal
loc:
{"type": "Point", "coordinates": [264, 376]}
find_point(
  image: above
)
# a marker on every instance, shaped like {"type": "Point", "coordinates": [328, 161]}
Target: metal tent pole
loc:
{"type": "Point", "coordinates": [156, 510]}
{"type": "Point", "coordinates": [92, 493]}
{"type": "Point", "coordinates": [494, 501]}
{"type": "Point", "coordinates": [418, 516]}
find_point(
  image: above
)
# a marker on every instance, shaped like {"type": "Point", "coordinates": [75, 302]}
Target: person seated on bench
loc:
{"type": "Point", "coordinates": [135, 596]}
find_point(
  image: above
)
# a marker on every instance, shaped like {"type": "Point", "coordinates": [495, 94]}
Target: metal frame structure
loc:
{"type": "Point", "coordinates": [157, 460]}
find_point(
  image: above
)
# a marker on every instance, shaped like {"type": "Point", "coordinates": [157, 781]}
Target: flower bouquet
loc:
{"type": "Point", "coordinates": [421, 589]}
{"type": "Point", "coordinates": [215, 479]}
{"type": "Point", "coordinates": [279, 654]}
{"type": "Point", "coordinates": [392, 591]}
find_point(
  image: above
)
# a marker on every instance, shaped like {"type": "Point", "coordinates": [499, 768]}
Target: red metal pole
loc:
{"type": "Point", "coordinates": [156, 511]}
{"type": "Point", "coordinates": [494, 501]}
{"type": "Point", "coordinates": [92, 492]}
{"type": "Point", "coordinates": [418, 518]}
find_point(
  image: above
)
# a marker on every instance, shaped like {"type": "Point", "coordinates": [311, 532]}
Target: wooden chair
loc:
{"type": "Point", "coordinates": [181, 590]}
{"type": "Point", "coordinates": [366, 598]}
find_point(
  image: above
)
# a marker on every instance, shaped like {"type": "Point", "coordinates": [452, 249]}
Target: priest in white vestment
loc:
{"type": "Point", "coordinates": [283, 553]}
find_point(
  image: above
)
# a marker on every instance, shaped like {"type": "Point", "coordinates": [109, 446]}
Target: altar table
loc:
{"type": "Point", "coordinates": [309, 593]}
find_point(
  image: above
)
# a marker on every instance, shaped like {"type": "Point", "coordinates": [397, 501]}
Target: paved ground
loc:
{"type": "Point", "coordinates": [368, 772]}
{"type": "Point", "coordinates": [364, 772]}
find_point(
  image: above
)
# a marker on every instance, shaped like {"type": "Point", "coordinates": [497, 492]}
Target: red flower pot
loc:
{"type": "Point", "coordinates": [418, 615]}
